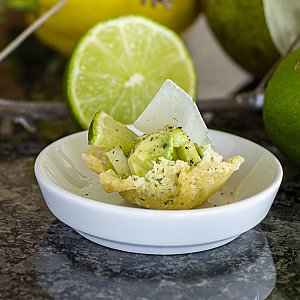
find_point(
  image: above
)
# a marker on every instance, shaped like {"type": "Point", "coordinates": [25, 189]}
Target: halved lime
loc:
{"type": "Point", "coordinates": [119, 65]}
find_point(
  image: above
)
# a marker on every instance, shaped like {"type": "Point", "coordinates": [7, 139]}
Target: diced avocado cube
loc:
{"type": "Point", "coordinates": [188, 153]}
{"type": "Point", "coordinates": [179, 136]}
{"type": "Point", "coordinates": [174, 154]}
{"type": "Point", "coordinates": [200, 150]}
{"type": "Point", "coordinates": [148, 150]}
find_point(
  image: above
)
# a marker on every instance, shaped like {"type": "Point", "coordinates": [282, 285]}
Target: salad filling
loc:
{"type": "Point", "coordinates": [160, 170]}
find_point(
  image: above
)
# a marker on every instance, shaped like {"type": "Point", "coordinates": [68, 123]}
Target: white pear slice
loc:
{"type": "Point", "coordinates": [173, 106]}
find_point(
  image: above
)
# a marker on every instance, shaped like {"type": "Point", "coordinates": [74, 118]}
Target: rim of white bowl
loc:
{"type": "Point", "coordinates": [150, 212]}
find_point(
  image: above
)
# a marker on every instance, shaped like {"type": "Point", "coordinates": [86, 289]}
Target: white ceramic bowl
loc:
{"type": "Point", "coordinates": [74, 196]}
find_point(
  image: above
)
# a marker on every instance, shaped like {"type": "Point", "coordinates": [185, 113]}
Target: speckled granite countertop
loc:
{"type": "Point", "coordinates": [41, 258]}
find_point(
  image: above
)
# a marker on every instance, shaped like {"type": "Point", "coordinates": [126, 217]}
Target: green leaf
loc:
{"type": "Point", "coordinates": [283, 21]}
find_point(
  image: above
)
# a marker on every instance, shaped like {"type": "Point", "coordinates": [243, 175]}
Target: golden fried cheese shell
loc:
{"type": "Point", "coordinates": [172, 184]}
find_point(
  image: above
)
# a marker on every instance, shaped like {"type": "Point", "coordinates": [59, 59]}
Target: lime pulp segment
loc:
{"type": "Point", "coordinates": [106, 132]}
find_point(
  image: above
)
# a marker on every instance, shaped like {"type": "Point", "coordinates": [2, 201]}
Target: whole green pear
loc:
{"type": "Point", "coordinates": [241, 29]}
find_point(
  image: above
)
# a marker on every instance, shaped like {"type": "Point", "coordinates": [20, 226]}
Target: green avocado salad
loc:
{"type": "Point", "coordinates": [159, 170]}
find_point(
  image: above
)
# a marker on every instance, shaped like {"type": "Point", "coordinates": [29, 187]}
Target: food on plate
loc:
{"type": "Point", "coordinates": [167, 167]}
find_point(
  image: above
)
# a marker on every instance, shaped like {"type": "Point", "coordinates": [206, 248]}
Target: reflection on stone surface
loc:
{"type": "Point", "coordinates": [71, 267]}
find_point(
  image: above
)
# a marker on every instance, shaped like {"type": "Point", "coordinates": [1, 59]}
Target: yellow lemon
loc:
{"type": "Point", "coordinates": [64, 29]}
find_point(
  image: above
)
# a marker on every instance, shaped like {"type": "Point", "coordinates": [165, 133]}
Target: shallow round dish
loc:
{"type": "Point", "coordinates": [74, 195]}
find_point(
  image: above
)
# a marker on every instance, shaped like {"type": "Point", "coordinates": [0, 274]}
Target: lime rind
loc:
{"type": "Point", "coordinates": [93, 130]}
